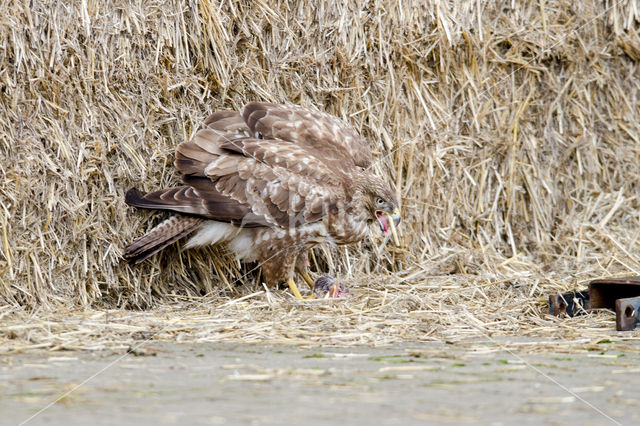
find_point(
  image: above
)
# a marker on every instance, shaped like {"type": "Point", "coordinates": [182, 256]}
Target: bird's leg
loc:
{"type": "Point", "coordinates": [305, 276]}
{"type": "Point", "coordinates": [284, 268]}
{"type": "Point", "coordinates": [310, 282]}
{"type": "Point", "coordinates": [302, 266]}
{"type": "Point", "coordinates": [281, 269]}
{"type": "Point", "coordinates": [294, 289]}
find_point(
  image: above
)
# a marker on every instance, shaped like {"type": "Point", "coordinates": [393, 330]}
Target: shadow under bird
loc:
{"type": "Point", "coordinates": [270, 181]}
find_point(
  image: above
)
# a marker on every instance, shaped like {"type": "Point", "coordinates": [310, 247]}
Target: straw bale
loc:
{"type": "Point", "coordinates": [509, 129]}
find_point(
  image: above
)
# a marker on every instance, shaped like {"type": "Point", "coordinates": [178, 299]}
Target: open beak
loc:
{"type": "Point", "coordinates": [388, 223]}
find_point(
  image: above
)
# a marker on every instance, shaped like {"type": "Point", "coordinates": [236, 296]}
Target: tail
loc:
{"type": "Point", "coordinates": [168, 232]}
{"type": "Point", "coordinates": [165, 199]}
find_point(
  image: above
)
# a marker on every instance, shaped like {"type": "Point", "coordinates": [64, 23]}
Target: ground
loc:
{"type": "Point", "coordinates": [487, 381]}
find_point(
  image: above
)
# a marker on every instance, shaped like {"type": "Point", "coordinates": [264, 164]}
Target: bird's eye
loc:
{"type": "Point", "coordinates": [379, 201]}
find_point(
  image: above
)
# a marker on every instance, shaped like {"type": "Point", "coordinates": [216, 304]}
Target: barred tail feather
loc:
{"type": "Point", "coordinates": [168, 232]}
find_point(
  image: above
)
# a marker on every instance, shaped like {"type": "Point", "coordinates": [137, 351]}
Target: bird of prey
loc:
{"type": "Point", "coordinates": [270, 181]}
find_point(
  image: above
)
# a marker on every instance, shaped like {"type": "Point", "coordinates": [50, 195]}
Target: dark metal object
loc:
{"type": "Point", "coordinates": [627, 313]}
{"type": "Point", "coordinates": [571, 303]}
{"type": "Point", "coordinates": [604, 292]}
{"type": "Point", "coordinates": [619, 294]}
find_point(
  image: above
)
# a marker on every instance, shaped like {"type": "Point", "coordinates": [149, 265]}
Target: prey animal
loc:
{"type": "Point", "coordinates": [271, 181]}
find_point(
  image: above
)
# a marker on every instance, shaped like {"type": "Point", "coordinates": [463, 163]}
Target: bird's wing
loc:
{"type": "Point", "coordinates": [282, 182]}
{"type": "Point", "coordinates": [332, 138]}
{"type": "Point", "coordinates": [222, 126]}
{"type": "Point", "coordinates": [232, 176]}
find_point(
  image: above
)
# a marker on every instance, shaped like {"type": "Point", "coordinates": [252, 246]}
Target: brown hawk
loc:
{"type": "Point", "coordinates": [271, 182]}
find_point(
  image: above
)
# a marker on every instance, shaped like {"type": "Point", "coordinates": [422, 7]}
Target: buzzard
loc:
{"type": "Point", "coordinates": [270, 181]}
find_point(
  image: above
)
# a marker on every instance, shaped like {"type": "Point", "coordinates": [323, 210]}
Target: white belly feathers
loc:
{"type": "Point", "coordinates": [242, 241]}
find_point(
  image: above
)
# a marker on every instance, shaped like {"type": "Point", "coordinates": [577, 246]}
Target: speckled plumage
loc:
{"type": "Point", "coordinates": [271, 181]}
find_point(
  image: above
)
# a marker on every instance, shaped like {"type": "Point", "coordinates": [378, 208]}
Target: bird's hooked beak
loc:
{"type": "Point", "coordinates": [388, 223]}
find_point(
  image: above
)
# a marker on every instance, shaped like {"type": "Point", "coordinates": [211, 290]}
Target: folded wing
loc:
{"type": "Point", "coordinates": [255, 169]}
{"type": "Point", "coordinates": [332, 138]}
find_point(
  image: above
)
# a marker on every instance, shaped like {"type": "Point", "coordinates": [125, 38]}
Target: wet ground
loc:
{"type": "Point", "coordinates": [415, 383]}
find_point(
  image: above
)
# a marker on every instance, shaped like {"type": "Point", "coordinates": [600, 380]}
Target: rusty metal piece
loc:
{"type": "Point", "coordinates": [627, 313]}
{"type": "Point", "coordinates": [604, 292]}
{"type": "Point", "coordinates": [570, 304]}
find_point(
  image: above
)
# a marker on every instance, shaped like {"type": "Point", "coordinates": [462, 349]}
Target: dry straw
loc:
{"type": "Point", "coordinates": [510, 130]}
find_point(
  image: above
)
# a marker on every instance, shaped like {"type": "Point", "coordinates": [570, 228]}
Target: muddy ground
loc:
{"type": "Point", "coordinates": [415, 383]}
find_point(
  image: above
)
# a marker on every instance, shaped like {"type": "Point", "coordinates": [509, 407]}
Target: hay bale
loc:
{"type": "Point", "coordinates": [511, 130]}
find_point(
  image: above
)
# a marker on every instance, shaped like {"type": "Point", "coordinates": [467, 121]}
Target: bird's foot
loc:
{"type": "Point", "coordinates": [308, 280]}
{"type": "Point", "coordinates": [294, 289]}
{"type": "Point", "coordinates": [327, 287]}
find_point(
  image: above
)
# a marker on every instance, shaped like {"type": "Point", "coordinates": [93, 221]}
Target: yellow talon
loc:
{"type": "Point", "coordinates": [296, 292]}
{"type": "Point", "coordinates": [294, 289]}
{"type": "Point", "coordinates": [308, 280]}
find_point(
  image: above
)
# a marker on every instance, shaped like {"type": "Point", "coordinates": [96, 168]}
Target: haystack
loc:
{"type": "Point", "coordinates": [509, 129]}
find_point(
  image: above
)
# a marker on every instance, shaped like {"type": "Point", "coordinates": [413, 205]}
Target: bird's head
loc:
{"type": "Point", "coordinates": [383, 205]}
